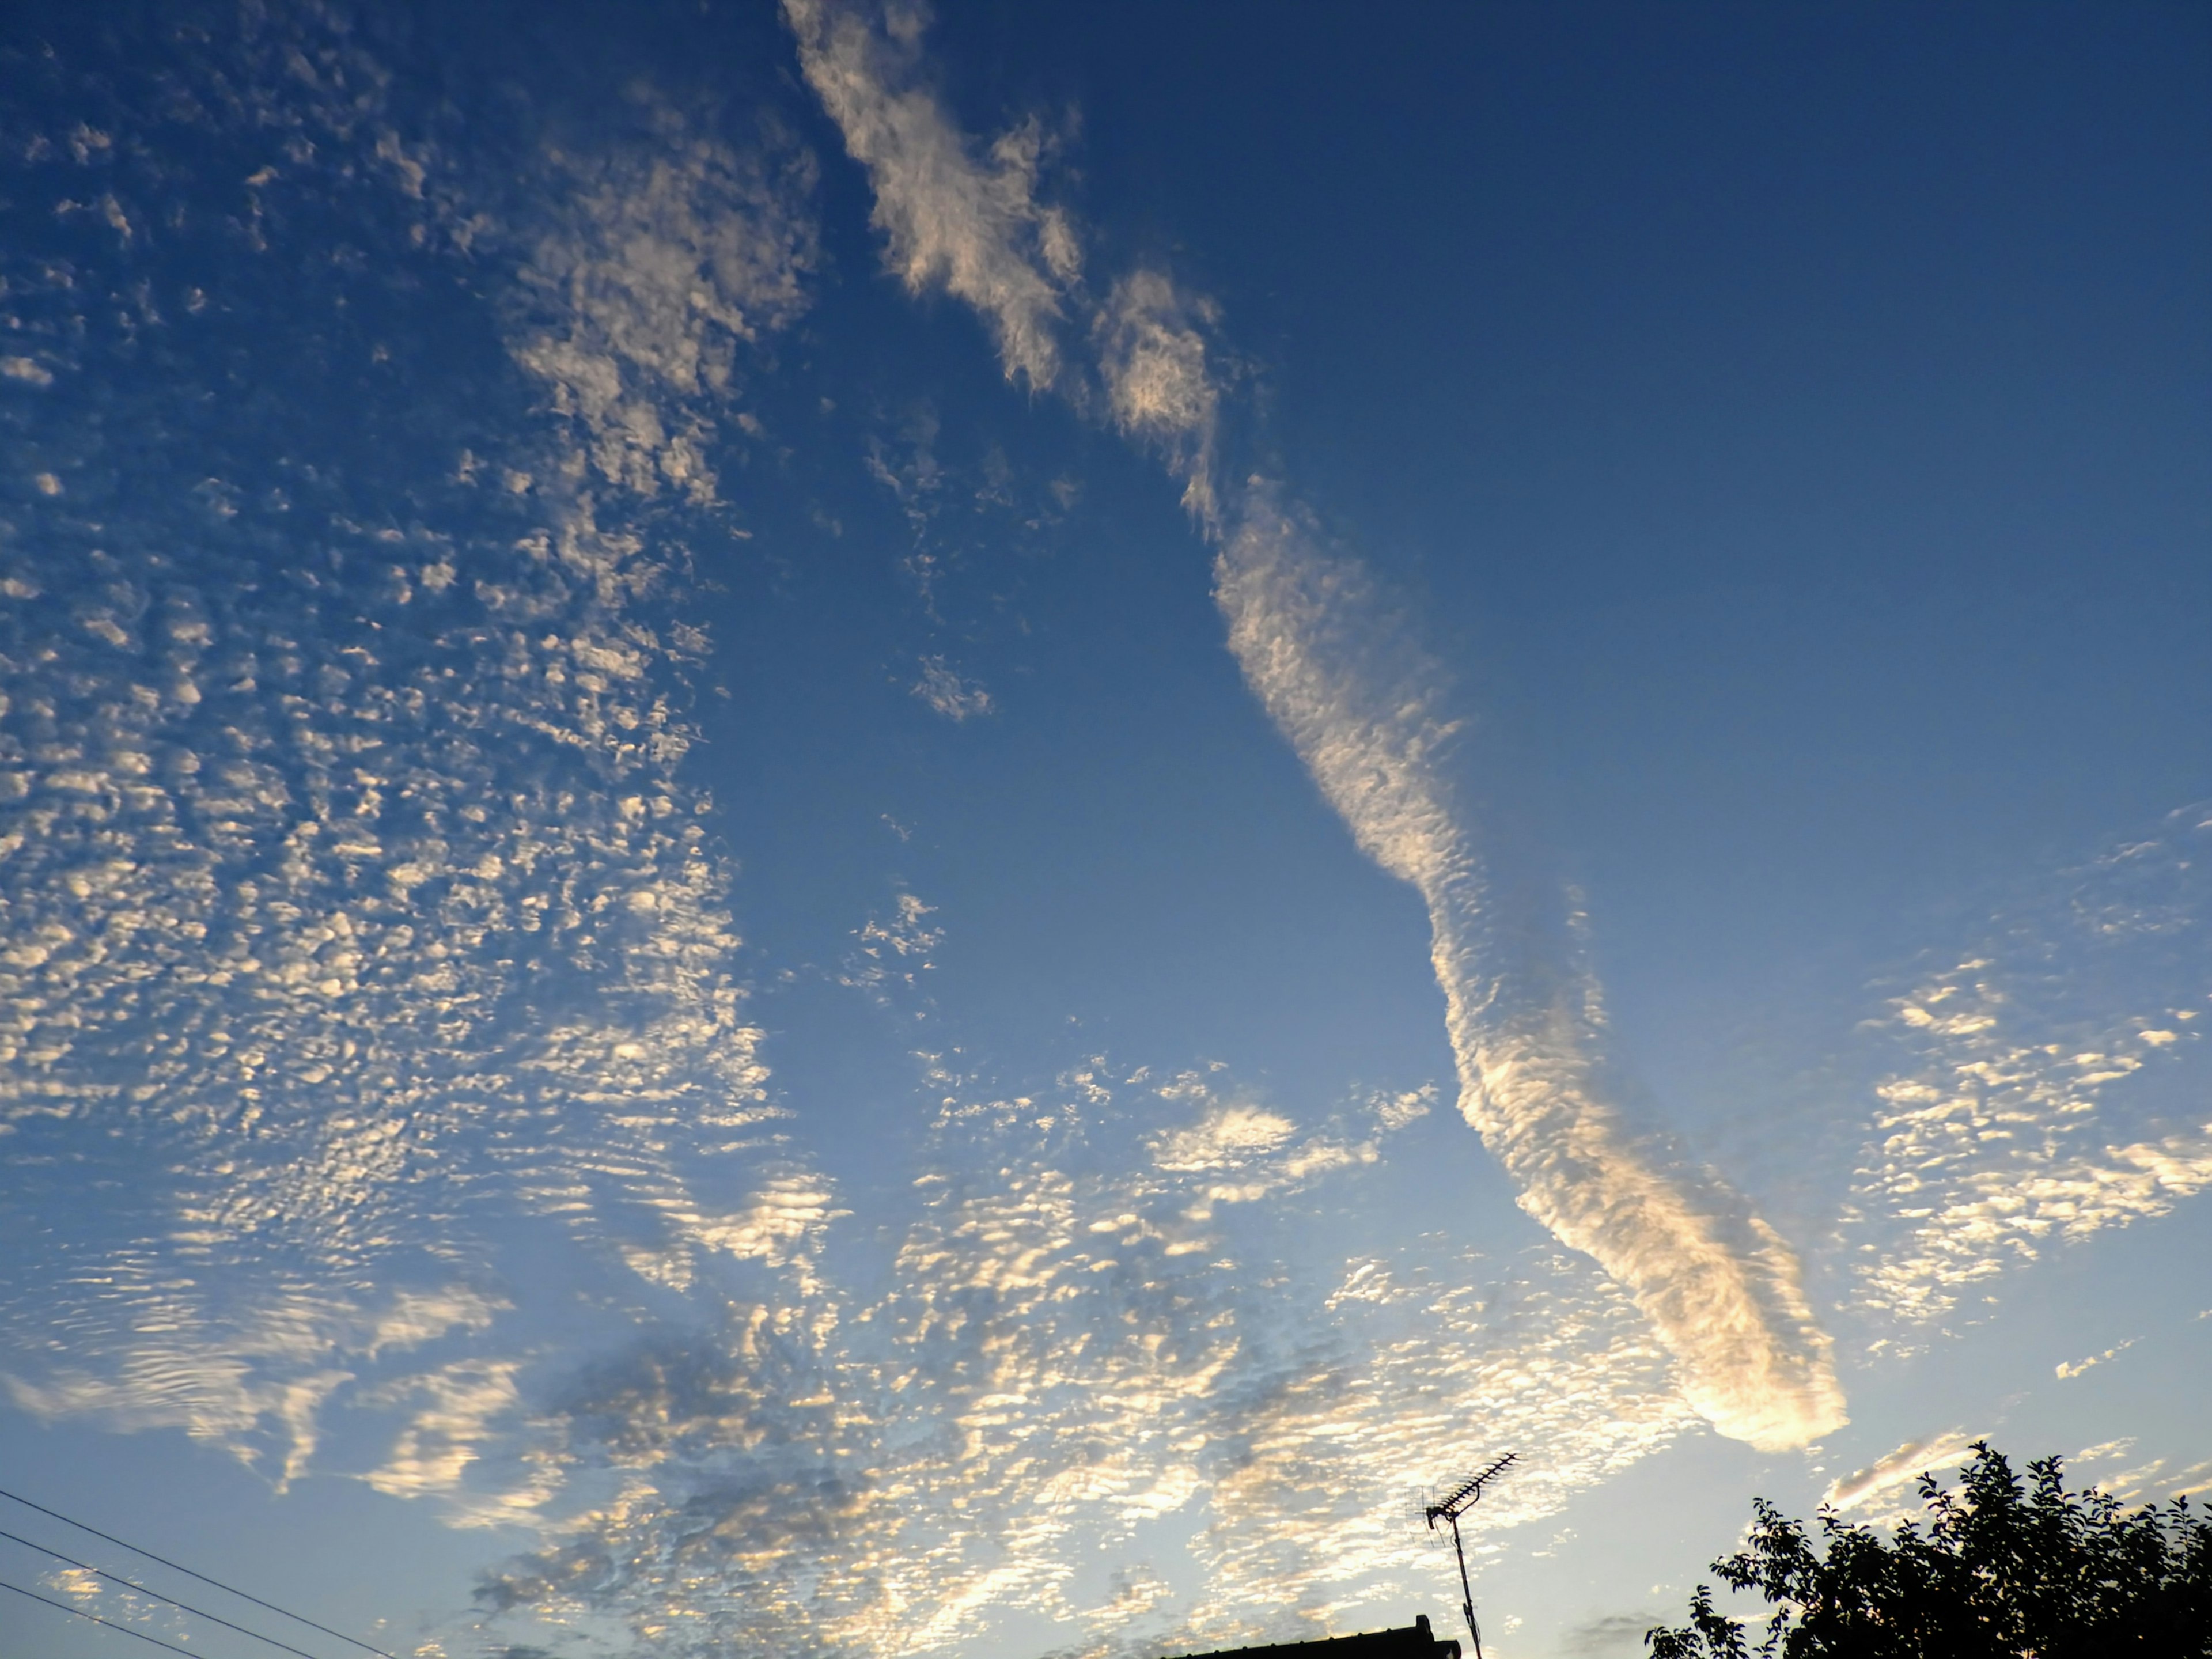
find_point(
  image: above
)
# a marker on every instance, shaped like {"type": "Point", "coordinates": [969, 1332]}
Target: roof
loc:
{"type": "Point", "coordinates": [1415, 1641]}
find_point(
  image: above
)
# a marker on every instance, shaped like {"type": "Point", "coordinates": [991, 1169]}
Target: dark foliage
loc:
{"type": "Point", "coordinates": [2002, 1569]}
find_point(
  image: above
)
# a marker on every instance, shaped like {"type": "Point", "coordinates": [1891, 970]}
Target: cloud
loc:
{"type": "Point", "coordinates": [1901, 1467]}
{"type": "Point", "coordinates": [943, 689]}
{"type": "Point", "coordinates": [463, 1405]}
{"type": "Point", "coordinates": [1612, 1636]}
{"type": "Point", "coordinates": [782, 1227]}
{"type": "Point", "coordinates": [360, 929]}
{"type": "Point", "coordinates": [2193, 1482]}
{"type": "Point", "coordinates": [1076, 1344]}
{"type": "Point", "coordinates": [1160, 383]}
{"type": "Point", "coordinates": [2149, 1482]}
{"type": "Point", "coordinates": [252, 1372]}
{"type": "Point", "coordinates": [2066, 1372]}
{"type": "Point", "coordinates": [1365, 710]}
{"type": "Point", "coordinates": [1245, 1150]}
{"type": "Point", "coordinates": [1364, 707]}
{"type": "Point", "coordinates": [1227, 1136]}
{"type": "Point", "coordinates": [892, 952]}
{"type": "Point", "coordinates": [353, 903]}
{"type": "Point", "coordinates": [966, 221]}
{"type": "Point", "coordinates": [1395, 1111]}
{"type": "Point", "coordinates": [293, 1023]}
{"type": "Point", "coordinates": [417, 1316]}
{"type": "Point", "coordinates": [2045, 1084]}
{"type": "Point", "coordinates": [663, 258]}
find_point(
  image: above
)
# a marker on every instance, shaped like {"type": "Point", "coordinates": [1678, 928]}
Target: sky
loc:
{"type": "Point", "coordinates": [830, 829]}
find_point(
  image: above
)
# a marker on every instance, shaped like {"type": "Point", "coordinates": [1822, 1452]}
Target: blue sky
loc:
{"type": "Point", "coordinates": [841, 829]}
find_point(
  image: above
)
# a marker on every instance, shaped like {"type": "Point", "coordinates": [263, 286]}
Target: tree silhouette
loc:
{"type": "Point", "coordinates": [2002, 1569]}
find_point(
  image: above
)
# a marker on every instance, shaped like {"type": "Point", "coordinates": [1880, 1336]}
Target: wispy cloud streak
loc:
{"type": "Point", "coordinates": [1900, 1468]}
{"type": "Point", "coordinates": [1367, 711]}
{"type": "Point", "coordinates": [966, 221]}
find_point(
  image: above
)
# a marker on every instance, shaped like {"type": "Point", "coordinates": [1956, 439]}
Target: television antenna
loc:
{"type": "Point", "coordinates": [1462, 1499]}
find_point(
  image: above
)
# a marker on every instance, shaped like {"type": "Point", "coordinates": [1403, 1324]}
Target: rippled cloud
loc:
{"type": "Point", "coordinates": [353, 899]}
{"type": "Point", "coordinates": [668, 257]}
{"type": "Point", "coordinates": [2048, 1085]}
{"type": "Point", "coordinates": [1101, 1334]}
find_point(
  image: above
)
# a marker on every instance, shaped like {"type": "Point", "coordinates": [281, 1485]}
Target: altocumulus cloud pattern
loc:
{"type": "Point", "coordinates": [364, 932]}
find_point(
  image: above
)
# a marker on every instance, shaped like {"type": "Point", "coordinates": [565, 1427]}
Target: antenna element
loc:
{"type": "Point", "coordinates": [1462, 1499]}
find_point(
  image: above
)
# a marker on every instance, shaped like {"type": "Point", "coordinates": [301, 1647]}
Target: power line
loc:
{"type": "Point", "coordinates": [118, 1577]}
{"type": "Point", "coordinates": [97, 1620]}
{"type": "Point", "coordinates": [354, 1641]}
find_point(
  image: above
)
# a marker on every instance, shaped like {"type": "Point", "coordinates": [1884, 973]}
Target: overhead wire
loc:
{"type": "Point", "coordinates": [97, 1620]}
{"type": "Point", "coordinates": [116, 1577]}
{"type": "Point", "coordinates": [176, 1566]}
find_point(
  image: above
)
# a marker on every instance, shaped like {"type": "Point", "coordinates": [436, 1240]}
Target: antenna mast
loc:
{"type": "Point", "coordinates": [1463, 1499]}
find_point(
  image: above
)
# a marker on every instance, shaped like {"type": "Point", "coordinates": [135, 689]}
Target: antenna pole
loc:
{"type": "Point", "coordinates": [1464, 1497]}
{"type": "Point", "coordinates": [1466, 1590]}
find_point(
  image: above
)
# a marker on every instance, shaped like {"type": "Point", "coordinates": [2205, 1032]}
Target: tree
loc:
{"type": "Point", "coordinates": [2002, 1569]}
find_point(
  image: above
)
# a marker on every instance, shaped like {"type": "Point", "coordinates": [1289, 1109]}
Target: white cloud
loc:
{"type": "Point", "coordinates": [965, 221]}
{"type": "Point", "coordinates": [1893, 1470]}
{"type": "Point", "coordinates": [946, 691]}
{"type": "Point", "coordinates": [337, 949]}
{"type": "Point", "coordinates": [892, 952]}
{"type": "Point", "coordinates": [254, 1376]}
{"type": "Point", "coordinates": [1161, 389]}
{"type": "Point", "coordinates": [1395, 1111]}
{"type": "Point", "coordinates": [1227, 1135]}
{"type": "Point", "coordinates": [343, 912]}
{"type": "Point", "coordinates": [2025, 1109]}
{"type": "Point", "coordinates": [417, 1316]}
{"type": "Point", "coordinates": [1364, 709]}
{"type": "Point", "coordinates": [2193, 1482]}
{"type": "Point", "coordinates": [1072, 1347]}
{"type": "Point", "coordinates": [662, 260]}
{"type": "Point", "coordinates": [785, 1226]}
{"type": "Point", "coordinates": [2067, 1372]}
{"type": "Point", "coordinates": [462, 1407]}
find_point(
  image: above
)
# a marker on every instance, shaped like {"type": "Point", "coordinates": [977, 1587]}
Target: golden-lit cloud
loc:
{"type": "Point", "coordinates": [352, 895]}
{"type": "Point", "coordinates": [1366, 709]}
{"type": "Point", "coordinates": [365, 944]}
{"type": "Point", "coordinates": [955, 214]}
{"type": "Point", "coordinates": [1083, 1348]}
{"type": "Point", "coordinates": [2027, 1109]}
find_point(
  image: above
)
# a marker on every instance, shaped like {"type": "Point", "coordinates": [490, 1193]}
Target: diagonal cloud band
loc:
{"type": "Point", "coordinates": [1360, 707]}
{"type": "Point", "coordinates": [1365, 710]}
